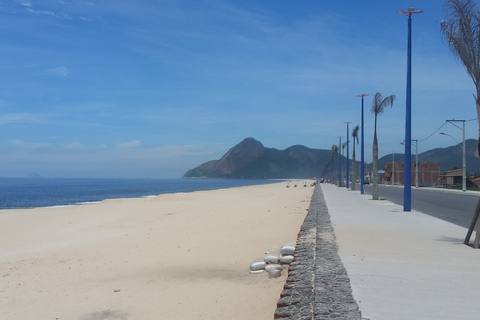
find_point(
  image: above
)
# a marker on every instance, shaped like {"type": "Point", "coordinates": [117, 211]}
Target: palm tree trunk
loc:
{"type": "Point", "coordinates": [375, 168]}
{"type": "Point", "coordinates": [333, 170]}
{"type": "Point", "coordinates": [476, 221]}
{"type": "Point", "coordinates": [354, 178]}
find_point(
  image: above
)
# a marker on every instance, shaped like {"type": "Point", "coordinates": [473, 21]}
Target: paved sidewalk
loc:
{"type": "Point", "coordinates": [403, 265]}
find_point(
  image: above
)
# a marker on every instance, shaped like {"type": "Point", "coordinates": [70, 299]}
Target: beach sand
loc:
{"type": "Point", "coordinates": [174, 256]}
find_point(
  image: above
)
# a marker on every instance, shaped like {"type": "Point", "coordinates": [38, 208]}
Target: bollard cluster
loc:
{"type": "Point", "coordinates": [274, 261]}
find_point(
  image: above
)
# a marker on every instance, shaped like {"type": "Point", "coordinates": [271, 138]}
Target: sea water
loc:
{"type": "Point", "coordinates": [46, 192]}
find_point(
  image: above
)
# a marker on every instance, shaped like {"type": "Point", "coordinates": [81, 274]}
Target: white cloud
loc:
{"type": "Point", "coordinates": [25, 3]}
{"type": "Point", "coordinates": [50, 13]}
{"type": "Point", "coordinates": [21, 118]}
{"type": "Point", "coordinates": [58, 71]}
{"type": "Point", "coordinates": [131, 144]}
{"type": "Point", "coordinates": [74, 146]}
{"type": "Point", "coordinates": [28, 145]}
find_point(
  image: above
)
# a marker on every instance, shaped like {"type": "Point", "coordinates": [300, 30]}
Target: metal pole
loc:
{"type": "Point", "coordinates": [416, 163]}
{"type": "Point", "coordinates": [464, 164]}
{"type": "Point", "coordinates": [362, 158]}
{"type": "Point", "coordinates": [348, 165]}
{"type": "Point", "coordinates": [393, 168]}
{"type": "Point", "coordinates": [407, 186]}
{"type": "Point", "coordinates": [464, 171]}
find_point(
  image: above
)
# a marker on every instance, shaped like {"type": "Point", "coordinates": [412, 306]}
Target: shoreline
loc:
{"type": "Point", "coordinates": [174, 256]}
{"type": "Point", "coordinates": [31, 193]}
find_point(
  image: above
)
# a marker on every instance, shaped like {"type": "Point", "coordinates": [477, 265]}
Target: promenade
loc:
{"type": "Point", "coordinates": [363, 259]}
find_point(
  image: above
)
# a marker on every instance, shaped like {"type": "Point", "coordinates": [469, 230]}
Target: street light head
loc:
{"type": "Point", "coordinates": [410, 11]}
{"type": "Point", "coordinates": [443, 133]}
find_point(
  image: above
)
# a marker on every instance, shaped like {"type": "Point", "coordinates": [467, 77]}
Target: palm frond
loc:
{"type": "Point", "coordinates": [379, 103]}
{"type": "Point", "coordinates": [355, 133]}
{"type": "Point", "coordinates": [461, 30]}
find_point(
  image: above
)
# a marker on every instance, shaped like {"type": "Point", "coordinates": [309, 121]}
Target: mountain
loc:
{"type": "Point", "coordinates": [251, 160]}
{"type": "Point", "coordinates": [448, 157]}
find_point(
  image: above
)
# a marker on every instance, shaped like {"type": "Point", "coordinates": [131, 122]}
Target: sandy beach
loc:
{"type": "Point", "coordinates": [174, 256]}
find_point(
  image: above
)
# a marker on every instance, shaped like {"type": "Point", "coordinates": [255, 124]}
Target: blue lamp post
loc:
{"type": "Point", "coordinates": [362, 158]}
{"type": "Point", "coordinates": [348, 165]}
{"type": "Point", "coordinates": [407, 185]}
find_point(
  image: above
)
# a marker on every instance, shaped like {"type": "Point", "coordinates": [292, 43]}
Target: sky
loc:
{"type": "Point", "coordinates": [153, 88]}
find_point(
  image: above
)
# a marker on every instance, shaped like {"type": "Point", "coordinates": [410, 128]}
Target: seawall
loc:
{"type": "Point", "coordinates": [317, 286]}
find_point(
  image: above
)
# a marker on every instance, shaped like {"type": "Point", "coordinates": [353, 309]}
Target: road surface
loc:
{"type": "Point", "coordinates": [455, 207]}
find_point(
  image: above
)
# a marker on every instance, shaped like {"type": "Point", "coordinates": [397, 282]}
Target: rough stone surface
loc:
{"type": "Point", "coordinates": [317, 285]}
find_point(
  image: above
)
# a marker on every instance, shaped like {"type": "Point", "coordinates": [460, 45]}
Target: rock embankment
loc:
{"type": "Point", "coordinates": [317, 286]}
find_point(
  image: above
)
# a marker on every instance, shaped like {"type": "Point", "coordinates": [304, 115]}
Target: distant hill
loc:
{"type": "Point", "coordinates": [448, 158]}
{"type": "Point", "coordinates": [251, 160]}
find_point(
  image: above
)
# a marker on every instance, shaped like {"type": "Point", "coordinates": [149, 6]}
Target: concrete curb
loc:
{"type": "Point", "coordinates": [317, 286]}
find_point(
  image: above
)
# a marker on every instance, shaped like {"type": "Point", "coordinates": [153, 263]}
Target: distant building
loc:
{"type": "Point", "coordinates": [454, 178]}
{"type": "Point", "coordinates": [476, 181]}
{"type": "Point", "coordinates": [428, 173]}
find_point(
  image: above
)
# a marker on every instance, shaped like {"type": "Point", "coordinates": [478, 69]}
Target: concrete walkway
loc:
{"type": "Point", "coordinates": [403, 265]}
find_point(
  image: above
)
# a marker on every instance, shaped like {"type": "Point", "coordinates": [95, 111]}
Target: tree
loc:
{"type": "Point", "coordinates": [378, 106]}
{"type": "Point", "coordinates": [334, 154]}
{"type": "Point", "coordinates": [461, 30]}
{"type": "Point", "coordinates": [355, 138]}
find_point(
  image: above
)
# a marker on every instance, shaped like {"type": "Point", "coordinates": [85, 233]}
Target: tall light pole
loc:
{"type": "Point", "coordinates": [416, 162]}
{"type": "Point", "coordinates": [464, 162]}
{"type": "Point", "coordinates": [362, 158]}
{"type": "Point", "coordinates": [407, 186]}
{"type": "Point", "coordinates": [348, 165]}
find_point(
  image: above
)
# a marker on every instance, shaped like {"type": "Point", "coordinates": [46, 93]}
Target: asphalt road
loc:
{"type": "Point", "coordinates": [455, 207]}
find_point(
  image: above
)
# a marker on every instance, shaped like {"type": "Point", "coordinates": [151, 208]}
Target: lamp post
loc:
{"type": "Point", "coordinates": [407, 186]}
{"type": "Point", "coordinates": [464, 163]}
{"type": "Point", "coordinates": [362, 160]}
{"type": "Point", "coordinates": [348, 165]}
{"type": "Point", "coordinates": [416, 162]}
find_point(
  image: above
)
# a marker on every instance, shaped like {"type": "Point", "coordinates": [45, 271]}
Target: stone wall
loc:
{"type": "Point", "coordinates": [317, 286]}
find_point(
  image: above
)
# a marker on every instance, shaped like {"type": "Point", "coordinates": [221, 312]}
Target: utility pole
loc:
{"type": "Point", "coordinates": [464, 163]}
{"type": "Point", "coordinates": [393, 167]}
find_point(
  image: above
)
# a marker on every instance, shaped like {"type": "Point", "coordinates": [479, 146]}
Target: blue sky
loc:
{"type": "Point", "coordinates": [141, 88]}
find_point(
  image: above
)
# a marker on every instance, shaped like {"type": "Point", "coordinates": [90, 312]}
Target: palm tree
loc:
{"type": "Point", "coordinates": [355, 138]}
{"type": "Point", "coordinates": [326, 168]}
{"type": "Point", "coordinates": [462, 32]}
{"type": "Point", "coordinates": [378, 106]}
{"type": "Point", "coordinates": [334, 154]}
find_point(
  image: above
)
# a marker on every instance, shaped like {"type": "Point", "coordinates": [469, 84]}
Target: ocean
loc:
{"type": "Point", "coordinates": [16, 193]}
